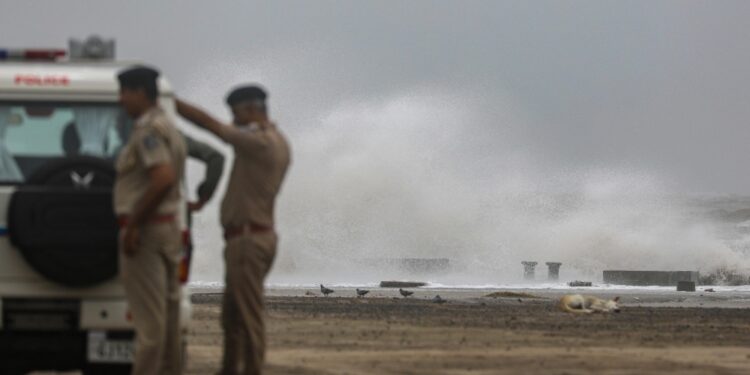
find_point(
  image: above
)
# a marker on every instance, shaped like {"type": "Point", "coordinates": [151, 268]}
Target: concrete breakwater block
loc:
{"type": "Point", "coordinates": [686, 286]}
{"type": "Point", "coordinates": [401, 284]}
{"type": "Point", "coordinates": [579, 284]}
{"type": "Point", "coordinates": [645, 278]}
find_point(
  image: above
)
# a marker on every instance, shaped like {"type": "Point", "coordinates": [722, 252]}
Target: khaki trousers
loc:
{"type": "Point", "coordinates": [152, 287]}
{"type": "Point", "coordinates": [248, 259]}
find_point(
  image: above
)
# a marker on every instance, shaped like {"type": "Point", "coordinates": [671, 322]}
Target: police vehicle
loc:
{"type": "Point", "coordinates": [62, 306]}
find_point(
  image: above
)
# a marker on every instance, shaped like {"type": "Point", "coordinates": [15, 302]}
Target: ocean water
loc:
{"type": "Point", "coordinates": [434, 175]}
{"type": "Point", "coordinates": [202, 285]}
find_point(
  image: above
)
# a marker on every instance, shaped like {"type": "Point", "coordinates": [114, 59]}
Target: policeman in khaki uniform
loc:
{"type": "Point", "coordinates": [146, 200]}
{"type": "Point", "coordinates": [262, 156]}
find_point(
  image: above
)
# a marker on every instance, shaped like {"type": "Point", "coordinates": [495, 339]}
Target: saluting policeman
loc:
{"type": "Point", "coordinates": [146, 199]}
{"type": "Point", "coordinates": [261, 159]}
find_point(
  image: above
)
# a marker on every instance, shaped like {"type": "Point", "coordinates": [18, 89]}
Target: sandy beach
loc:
{"type": "Point", "coordinates": [657, 332]}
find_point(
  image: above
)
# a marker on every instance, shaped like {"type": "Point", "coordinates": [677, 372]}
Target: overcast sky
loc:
{"type": "Point", "coordinates": [429, 128]}
{"type": "Point", "coordinates": [655, 86]}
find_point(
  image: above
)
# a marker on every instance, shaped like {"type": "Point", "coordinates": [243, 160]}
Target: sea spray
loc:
{"type": "Point", "coordinates": [431, 174]}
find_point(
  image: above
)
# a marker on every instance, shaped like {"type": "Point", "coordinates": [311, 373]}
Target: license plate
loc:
{"type": "Point", "coordinates": [104, 350]}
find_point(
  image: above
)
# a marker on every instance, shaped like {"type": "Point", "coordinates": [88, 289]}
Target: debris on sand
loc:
{"type": "Point", "coordinates": [439, 299]}
{"type": "Point", "coordinates": [310, 293]}
{"type": "Point", "coordinates": [401, 284]}
{"type": "Point", "coordinates": [510, 295]}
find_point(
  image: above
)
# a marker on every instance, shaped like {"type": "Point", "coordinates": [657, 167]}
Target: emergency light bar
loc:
{"type": "Point", "coordinates": [93, 48]}
{"type": "Point", "coordinates": [32, 54]}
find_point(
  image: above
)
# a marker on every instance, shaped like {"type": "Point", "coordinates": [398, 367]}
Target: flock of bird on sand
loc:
{"type": "Point", "coordinates": [361, 293]}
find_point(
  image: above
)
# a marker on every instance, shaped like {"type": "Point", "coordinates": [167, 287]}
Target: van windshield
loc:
{"type": "Point", "coordinates": [33, 134]}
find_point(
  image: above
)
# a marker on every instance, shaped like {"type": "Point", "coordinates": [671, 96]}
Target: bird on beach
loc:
{"type": "Point", "coordinates": [438, 299]}
{"type": "Point", "coordinates": [405, 293]}
{"type": "Point", "coordinates": [362, 292]}
{"type": "Point", "coordinates": [325, 290]}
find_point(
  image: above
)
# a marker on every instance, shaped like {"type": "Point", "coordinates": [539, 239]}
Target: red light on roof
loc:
{"type": "Point", "coordinates": [43, 54]}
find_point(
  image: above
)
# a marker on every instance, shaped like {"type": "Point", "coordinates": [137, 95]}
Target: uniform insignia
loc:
{"type": "Point", "coordinates": [150, 142]}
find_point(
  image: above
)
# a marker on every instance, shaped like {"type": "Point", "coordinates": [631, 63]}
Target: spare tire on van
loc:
{"type": "Point", "coordinates": [63, 223]}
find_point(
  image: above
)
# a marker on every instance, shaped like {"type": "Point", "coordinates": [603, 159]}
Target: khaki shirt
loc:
{"type": "Point", "coordinates": [154, 141]}
{"type": "Point", "coordinates": [260, 164]}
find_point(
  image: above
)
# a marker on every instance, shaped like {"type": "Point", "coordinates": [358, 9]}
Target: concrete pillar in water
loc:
{"type": "Point", "coordinates": [553, 271]}
{"type": "Point", "coordinates": [528, 270]}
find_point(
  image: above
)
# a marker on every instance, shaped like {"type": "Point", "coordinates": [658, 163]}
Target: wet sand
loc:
{"type": "Point", "coordinates": [471, 334]}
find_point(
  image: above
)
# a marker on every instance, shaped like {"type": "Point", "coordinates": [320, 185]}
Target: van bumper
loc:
{"type": "Point", "coordinates": [60, 335]}
{"type": "Point", "coordinates": [114, 314]}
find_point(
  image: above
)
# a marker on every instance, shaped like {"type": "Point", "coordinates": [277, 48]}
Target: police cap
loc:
{"type": "Point", "coordinates": [138, 76]}
{"type": "Point", "coordinates": [245, 93]}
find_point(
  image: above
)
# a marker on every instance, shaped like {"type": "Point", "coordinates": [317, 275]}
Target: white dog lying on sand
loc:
{"type": "Point", "coordinates": [578, 304]}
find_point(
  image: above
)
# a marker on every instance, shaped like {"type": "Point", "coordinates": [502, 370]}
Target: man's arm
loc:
{"type": "Point", "coordinates": [214, 161]}
{"type": "Point", "coordinates": [242, 140]}
{"type": "Point", "coordinates": [199, 117]}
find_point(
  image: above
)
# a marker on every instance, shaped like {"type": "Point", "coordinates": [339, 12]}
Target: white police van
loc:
{"type": "Point", "coordinates": [62, 306]}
